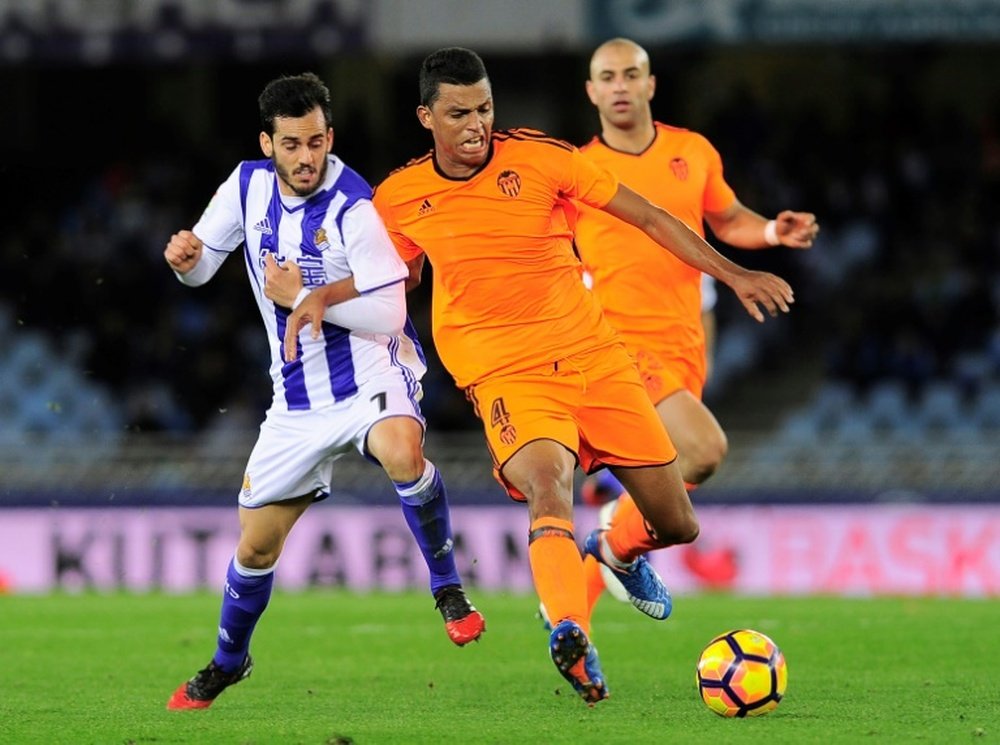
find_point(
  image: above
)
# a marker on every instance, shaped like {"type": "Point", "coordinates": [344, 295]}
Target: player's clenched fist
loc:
{"type": "Point", "coordinates": [796, 229]}
{"type": "Point", "coordinates": [183, 251]}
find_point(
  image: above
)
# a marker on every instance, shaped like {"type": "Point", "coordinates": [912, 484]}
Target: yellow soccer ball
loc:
{"type": "Point", "coordinates": [741, 673]}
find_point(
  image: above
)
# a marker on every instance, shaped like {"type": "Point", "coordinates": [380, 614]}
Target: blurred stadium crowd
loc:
{"type": "Point", "coordinates": [896, 150]}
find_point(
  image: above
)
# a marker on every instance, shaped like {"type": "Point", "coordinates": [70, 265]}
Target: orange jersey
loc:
{"type": "Point", "coordinates": [507, 294]}
{"type": "Point", "coordinates": [651, 297]}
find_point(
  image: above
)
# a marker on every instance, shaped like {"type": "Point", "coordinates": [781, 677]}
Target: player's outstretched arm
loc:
{"type": "Point", "coordinates": [193, 262]}
{"type": "Point", "coordinates": [741, 227]}
{"type": "Point", "coordinates": [754, 289]}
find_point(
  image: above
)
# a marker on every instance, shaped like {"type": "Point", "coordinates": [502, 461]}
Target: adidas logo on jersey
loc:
{"type": "Point", "coordinates": [264, 226]}
{"type": "Point", "coordinates": [425, 207]}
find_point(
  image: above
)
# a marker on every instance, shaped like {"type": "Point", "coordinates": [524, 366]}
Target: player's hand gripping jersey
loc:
{"type": "Point", "coordinates": [507, 290]}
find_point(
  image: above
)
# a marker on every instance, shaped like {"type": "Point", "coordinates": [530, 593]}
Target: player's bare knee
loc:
{"type": "Point", "coordinates": [549, 495]}
{"type": "Point", "coordinates": [397, 444]}
{"type": "Point", "coordinates": [698, 472]}
{"type": "Point", "coordinates": [679, 530]}
{"type": "Point", "coordinates": [689, 530]}
{"type": "Point", "coordinates": [253, 557]}
{"type": "Point", "coordinates": [704, 460]}
{"type": "Point", "coordinates": [404, 464]}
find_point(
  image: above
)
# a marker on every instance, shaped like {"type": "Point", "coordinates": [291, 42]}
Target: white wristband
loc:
{"type": "Point", "coordinates": [303, 293]}
{"type": "Point", "coordinates": [771, 233]}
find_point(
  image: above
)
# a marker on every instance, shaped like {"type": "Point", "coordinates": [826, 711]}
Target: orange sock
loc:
{"type": "Point", "coordinates": [629, 536]}
{"type": "Point", "coordinates": [557, 569]}
{"type": "Point", "coordinates": [595, 582]}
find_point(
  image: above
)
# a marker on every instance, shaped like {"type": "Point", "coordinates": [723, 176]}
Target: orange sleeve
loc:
{"type": "Point", "coordinates": [592, 184]}
{"type": "Point", "coordinates": [405, 247]}
{"type": "Point", "coordinates": [719, 195]}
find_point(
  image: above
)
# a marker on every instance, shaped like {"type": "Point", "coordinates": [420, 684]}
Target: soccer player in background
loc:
{"type": "Point", "coordinates": [651, 297]}
{"type": "Point", "coordinates": [519, 332]}
{"type": "Point", "coordinates": [354, 387]}
{"type": "Point", "coordinates": [709, 323]}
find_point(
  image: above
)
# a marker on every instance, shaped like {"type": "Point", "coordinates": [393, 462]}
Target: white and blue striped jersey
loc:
{"type": "Point", "coordinates": [333, 233]}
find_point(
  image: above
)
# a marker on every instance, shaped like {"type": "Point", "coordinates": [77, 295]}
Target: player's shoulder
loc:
{"type": "Point", "coordinates": [527, 137]}
{"type": "Point", "coordinates": [245, 170]}
{"type": "Point", "coordinates": [249, 166]}
{"type": "Point", "coordinates": [414, 170]}
{"type": "Point", "coordinates": [353, 185]}
{"type": "Point", "coordinates": [592, 144]}
{"type": "Point", "coordinates": [672, 132]}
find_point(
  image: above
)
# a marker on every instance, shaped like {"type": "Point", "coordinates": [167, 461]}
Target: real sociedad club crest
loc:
{"type": "Point", "coordinates": [320, 239]}
{"type": "Point", "coordinates": [509, 183]}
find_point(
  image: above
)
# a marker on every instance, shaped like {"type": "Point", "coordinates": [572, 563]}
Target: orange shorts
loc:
{"type": "Point", "coordinates": [666, 371]}
{"type": "Point", "coordinates": [592, 403]}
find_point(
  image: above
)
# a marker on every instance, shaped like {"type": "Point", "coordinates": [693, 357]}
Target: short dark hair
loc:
{"type": "Point", "coordinates": [451, 65]}
{"type": "Point", "coordinates": [293, 96]}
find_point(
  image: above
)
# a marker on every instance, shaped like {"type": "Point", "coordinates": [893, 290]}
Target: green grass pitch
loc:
{"type": "Point", "coordinates": [336, 667]}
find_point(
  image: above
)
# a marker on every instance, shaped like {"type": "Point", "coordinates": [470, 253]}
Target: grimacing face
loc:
{"type": "Point", "coordinates": [620, 85]}
{"type": "Point", "coordinates": [298, 149]}
{"type": "Point", "coordinates": [461, 120]}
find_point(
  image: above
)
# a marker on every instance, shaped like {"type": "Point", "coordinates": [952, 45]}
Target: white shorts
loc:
{"type": "Point", "coordinates": [295, 451]}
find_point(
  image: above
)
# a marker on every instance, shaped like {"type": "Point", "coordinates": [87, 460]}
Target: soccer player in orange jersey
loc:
{"type": "Point", "coordinates": [652, 298]}
{"type": "Point", "coordinates": [546, 373]}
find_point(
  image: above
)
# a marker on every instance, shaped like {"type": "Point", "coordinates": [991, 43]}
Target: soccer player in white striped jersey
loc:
{"type": "Point", "coordinates": [355, 385]}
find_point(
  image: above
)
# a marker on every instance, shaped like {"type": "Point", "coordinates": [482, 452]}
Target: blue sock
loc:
{"type": "Point", "coordinates": [425, 507]}
{"type": "Point", "coordinates": [243, 601]}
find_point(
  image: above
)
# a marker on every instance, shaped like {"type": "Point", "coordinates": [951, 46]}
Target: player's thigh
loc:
{"type": "Point", "coordinates": [523, 409]}
{"type": "Point", "coordinates": [660, 495]}
{"type": "Point", "coordinates": [293, 454]}
{"type": "Point", "coordinates": [263, 530]}
{"type": "Point", "coordinates": [692, 426]}
{"type": "Point", "coordinates": [542, 471]}
{"type": "Point", "coordinates": [389, 421]}
{"type": "Point", "coordinates": [618, 424]}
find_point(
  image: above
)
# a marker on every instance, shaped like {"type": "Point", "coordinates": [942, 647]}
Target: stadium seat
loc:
{"type": "Point", "coordinates": [852, 426]}
{"type": "Point", "coordinates": [833, 401]}
{"type": "Point", "coordinates": [801, 426]}
{"type": "Point", "coordinates": [736, 351]}
{"type": "Point", "coordinates": [53, 399]}
{"type": "Point", "coordinates": [888, 405]}
{"type": "Point", "coordinates": [985, 410]}
{"type": "Point", "coordinates": [971, 370]}
{"type": "Point", "coordinates": [940, 407]}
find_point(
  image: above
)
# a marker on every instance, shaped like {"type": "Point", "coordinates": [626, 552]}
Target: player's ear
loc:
{"type": "Point", "coordinates": [652, 87]}
{"type": "Point", "coordinates": [329, 139]}
{"type": "Point", "coordinates": [424, 116]}
{"type": "Point", "coordinates": [266, 144]}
